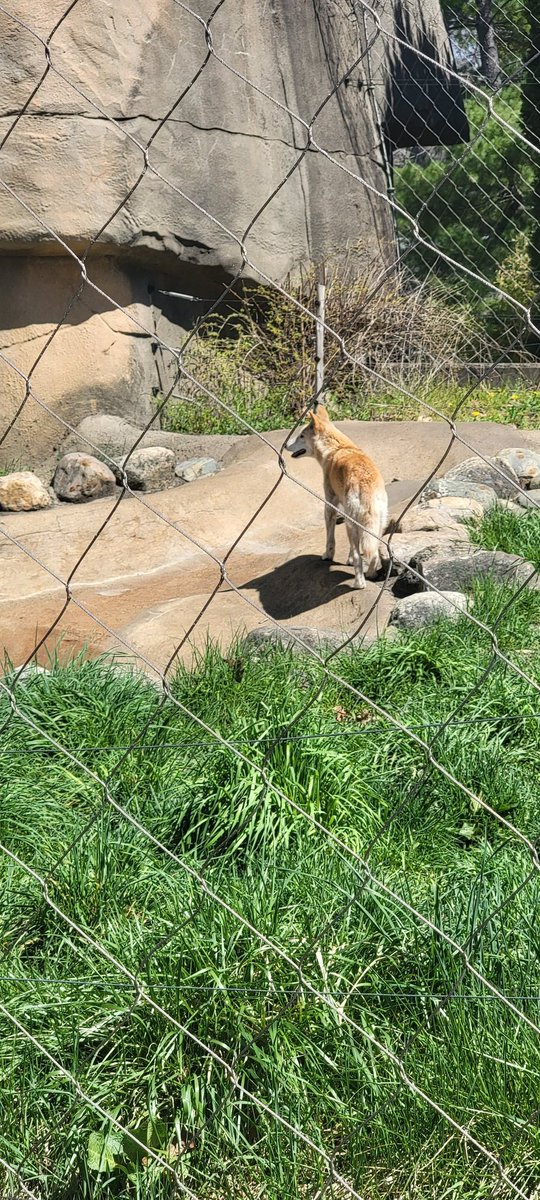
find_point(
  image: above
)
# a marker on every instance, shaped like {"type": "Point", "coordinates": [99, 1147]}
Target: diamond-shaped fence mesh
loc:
{"type": "Point", "coordinates": [269, 919]}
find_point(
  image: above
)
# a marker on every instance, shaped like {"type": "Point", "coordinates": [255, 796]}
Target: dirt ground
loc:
{"type": "Point", "coordinates": [143, 577]}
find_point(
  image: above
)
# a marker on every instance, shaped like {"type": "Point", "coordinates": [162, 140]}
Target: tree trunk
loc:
{"type": "Point", "coordinates": [489, 55]}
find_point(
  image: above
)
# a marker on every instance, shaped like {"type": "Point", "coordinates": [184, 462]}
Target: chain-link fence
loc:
{"type": "Point", "coordinates": [270, 927]}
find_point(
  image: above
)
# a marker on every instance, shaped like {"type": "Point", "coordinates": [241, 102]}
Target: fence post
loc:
{"type": "Point", "coordinates": [319, 329]}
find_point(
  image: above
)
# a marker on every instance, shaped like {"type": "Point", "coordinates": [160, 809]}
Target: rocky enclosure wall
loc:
{"type": "Point", "coordinates": [74, 170]}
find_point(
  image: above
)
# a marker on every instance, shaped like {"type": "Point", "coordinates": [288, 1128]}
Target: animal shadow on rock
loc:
{"type": "Point", "coordinates": [300, 585]}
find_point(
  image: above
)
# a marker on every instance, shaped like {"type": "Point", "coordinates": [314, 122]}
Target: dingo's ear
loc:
{"type": "Point", "coordinates": [319, 416]}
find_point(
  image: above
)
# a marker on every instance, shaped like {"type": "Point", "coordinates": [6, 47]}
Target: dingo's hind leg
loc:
{"type": "Point", "coordinates": [355, 556]}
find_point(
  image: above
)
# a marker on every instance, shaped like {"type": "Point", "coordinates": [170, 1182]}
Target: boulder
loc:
{"type": "Point", "coordinates": [195, 468]}
{"type": "Point", "coordinates": [80, 477]}
{"type": "Point", "coordinates": [107, 436]}
{"type": "Point", "coordinates": [513, 507]}
{"type": "Point", "coordinates": [443, 513]}
{"type": "Point", "coordinates": [451, 571]}
{"type": "Point", "coordinates": [111, 438]}
{"type": "Point", "coordinates": [320, 641]}
{"type": "Point", "coordinates": [414, 612]}
{"type": "Point", "coordinates": [22, 491]}
{"type": "Point", "coordinates": [406, 546]}
{"type": "Point", "coordinates": [497, 475]}
{"type": "Point", "coordinates": [450, 487]}
{"type": "Point", "coordinates": [461, 508]}
{"type": "Point", "coordinates": [530, 499]}
{"type": "Point", "coordinates": [150, 469]}
{"type": "Point", "coordinates": [524, 463]}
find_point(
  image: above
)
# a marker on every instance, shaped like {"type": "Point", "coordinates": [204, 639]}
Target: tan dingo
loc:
{"type": "Point", "coordinates": [352, 481]}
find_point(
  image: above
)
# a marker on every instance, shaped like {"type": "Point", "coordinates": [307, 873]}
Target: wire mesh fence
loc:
{"type": "Point", "coordinates": [270, 928]}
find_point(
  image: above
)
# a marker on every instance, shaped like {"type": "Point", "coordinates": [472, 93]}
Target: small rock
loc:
{"type": "Point", "coordinates": [414, 612]}
{"type": "Point", "coordinates": [451, 488]}
{"type": "Point", "coordinates": [449, 571]}
{"type": "Point", "coordinates": [80, 477]}
{"type": "Point", "coordinates": [194, 468]}
{"type": "Point", "coordinates": [150, 468]}
{"type": "Point", "coordinates": [504, 480]}
{"type": "Point", "coordinates": [461, 508]}
{"type": "Point", "coordinates": [22, 491]}
{"type": "Point", "coordinates": [524, 463]}
{"type": "Point", "coordinates": [32, 670]}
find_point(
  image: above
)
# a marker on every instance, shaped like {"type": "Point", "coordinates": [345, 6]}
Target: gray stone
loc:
{"type": "Point", "coordinates": [449, 571]}
{"type": "Point", "coordinates": [194, 468]}
{"type": "Point", "coordinates": [451, 488]}
{"type": "Point", "coordinates": [22, 491]}
{"type": "Point", "coordinates": [504, 480]}
{"type": "Point", "coordinates": [81, 477]}
{"type": "Point", "coordinates": [318, 640]}
{"type": "Point", "coordinates": [525, 464]}
{"type": "Point", "coordinates": [423, 608]}
{"type": "Point", "coordinates": [150, 469]}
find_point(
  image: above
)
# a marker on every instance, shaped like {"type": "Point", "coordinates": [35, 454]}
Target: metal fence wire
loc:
{"type": "Point", "coordinates": [310, 969]}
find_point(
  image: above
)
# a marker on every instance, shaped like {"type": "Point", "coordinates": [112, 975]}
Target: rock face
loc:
{"type": "Point", "coordinates": [22, 491]}
{"type": "Point", "coordinates": [80, 477]}
{"type": "Point", "coordinates": [413, 612]}
{"type": "Point", "coordinates": [176, 220]}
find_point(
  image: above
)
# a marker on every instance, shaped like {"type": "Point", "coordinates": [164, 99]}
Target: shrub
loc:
{"type": "Point", "coordinates": [259, 359]}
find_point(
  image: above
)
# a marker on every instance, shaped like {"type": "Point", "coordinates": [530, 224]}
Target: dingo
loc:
{"type": "Point", "coordinates": [352, 481]}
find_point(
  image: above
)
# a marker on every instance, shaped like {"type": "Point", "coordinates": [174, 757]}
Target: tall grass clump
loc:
{"type": "Point", "coordinates": [106, 848]}
{"type": "Point", "coordinates": [514, 533]}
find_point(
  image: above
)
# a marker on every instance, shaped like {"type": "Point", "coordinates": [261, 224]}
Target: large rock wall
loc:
{"type": "Point", "coordinates": [76, 169]}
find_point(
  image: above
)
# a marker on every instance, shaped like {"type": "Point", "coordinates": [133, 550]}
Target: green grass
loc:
{"type": "Point", "coordinates": [517, 406]}
{"type": "Point", "coordinates": [348, 768]}
{"type": "Point", "coordinates": [502, 530]}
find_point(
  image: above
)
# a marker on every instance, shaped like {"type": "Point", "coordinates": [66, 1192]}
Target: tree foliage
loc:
{"type": "Point", "coordinates": [470, 201]}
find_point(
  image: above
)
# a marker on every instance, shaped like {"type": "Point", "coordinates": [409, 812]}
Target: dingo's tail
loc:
{"type": "Point", "coordinates": [365, 536]}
